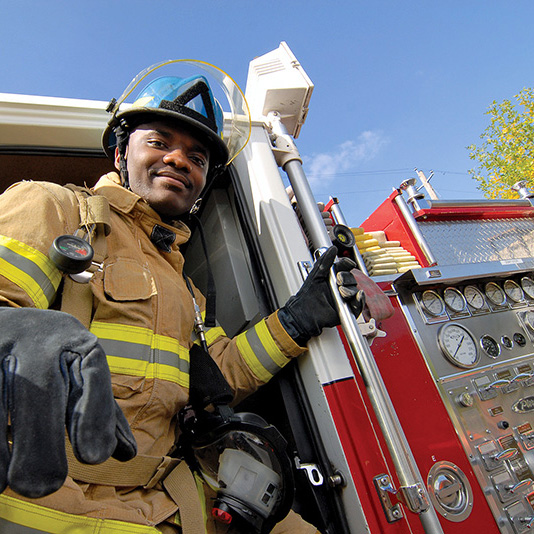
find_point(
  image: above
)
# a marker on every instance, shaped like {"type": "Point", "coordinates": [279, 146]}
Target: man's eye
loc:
{"type": "Point", "coordinates": [156, 143]}
{"type": "Point", "coordinates": [199, 161]}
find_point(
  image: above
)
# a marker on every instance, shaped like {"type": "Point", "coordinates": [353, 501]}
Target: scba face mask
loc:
{"type": "Point", "coordinates": [244, 460]}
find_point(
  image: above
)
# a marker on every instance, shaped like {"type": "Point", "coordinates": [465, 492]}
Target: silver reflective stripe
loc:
{"type": "Point", "coordinates": [6, 527]}
{"type": "Point", "coordinates": [259, 351]}
{"type": "Point", "coordinates": [31, 269]}
{"type": "Point", "coordinates": [140, 352]}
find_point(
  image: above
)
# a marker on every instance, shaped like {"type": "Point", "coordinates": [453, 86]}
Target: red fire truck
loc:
{"type": "Point", "coordinates": [422, 423]}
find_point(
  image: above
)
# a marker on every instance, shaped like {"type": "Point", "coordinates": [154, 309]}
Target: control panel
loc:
{"type": "Point", "coordinates": [476, 333]}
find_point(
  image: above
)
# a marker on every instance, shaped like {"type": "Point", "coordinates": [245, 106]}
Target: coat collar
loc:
{"type": "Point", "coordinates": [125, 201]}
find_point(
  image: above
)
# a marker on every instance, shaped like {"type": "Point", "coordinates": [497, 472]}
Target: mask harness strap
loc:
{"type": "Point", "coordinates": [210, 290]}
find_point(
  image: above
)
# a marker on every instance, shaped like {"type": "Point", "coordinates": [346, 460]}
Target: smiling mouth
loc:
{"type": "Point", "coordinates": [174, 177]}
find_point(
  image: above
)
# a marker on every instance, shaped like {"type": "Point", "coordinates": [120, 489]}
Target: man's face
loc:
{"type": "Point", "coordinates": [167, 167]}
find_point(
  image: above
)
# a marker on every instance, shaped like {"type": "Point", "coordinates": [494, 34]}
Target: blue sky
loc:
{"type": "Point", "coordinates": [398, 85]}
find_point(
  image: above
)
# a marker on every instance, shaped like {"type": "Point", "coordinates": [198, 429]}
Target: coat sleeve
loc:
{"type": "Point", "coordinates": [253, 357]}
{"type": "Point", "coordinates": [32, 215]}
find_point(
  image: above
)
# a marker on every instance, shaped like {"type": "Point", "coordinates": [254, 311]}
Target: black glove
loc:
{"type": "Point", "coordinates": [54, 374]}
{"type": "Point", "coordinates": [313, 308]}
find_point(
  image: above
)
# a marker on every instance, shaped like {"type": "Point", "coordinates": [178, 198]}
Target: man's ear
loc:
{"type": "Point", "coordinates": [117, 158]}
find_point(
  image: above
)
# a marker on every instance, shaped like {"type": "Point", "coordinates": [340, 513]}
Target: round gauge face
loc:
{"type": "Point", "coordinates": [74, 247]}
{"type": "Point", "coordinates": [495, 294]}
{"type": "Point", "coordinates": [490, 346]}
{"type": "Point", "coordinates": [513, 291]}
{"type": "Point", "coordinates": [474, 297]}
{"type": "Point", "coordinates": [454, 300]}
{"type": "Point", "coordinates": [528, 286]}
{"type": "Point", "coordinates": [506, 342]}
{"type": "Point", "coordinates": [432, 302]}
{"type": "Point", "coordinates": [458, 345]}
{"type": "Point", "coordinates": [520, 339]}
{"type": "Point", "coordinates": [529, 319]}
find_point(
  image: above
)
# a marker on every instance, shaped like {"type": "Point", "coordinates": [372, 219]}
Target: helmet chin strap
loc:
{"type": "Point", "coordinates": [196, 206]}
{"type": "Point", "coordinates": [123, 134]}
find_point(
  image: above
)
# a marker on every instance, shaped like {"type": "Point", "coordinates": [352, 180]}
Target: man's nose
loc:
{"type": "Point", "coordinates": [178, 158]}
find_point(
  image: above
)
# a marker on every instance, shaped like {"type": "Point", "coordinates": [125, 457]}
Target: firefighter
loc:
{"type": "Point", "coordinates": [117, 382]}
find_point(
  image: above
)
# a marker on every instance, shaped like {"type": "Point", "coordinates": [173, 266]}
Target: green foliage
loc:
{"type": "Point", "coordinates": [506, 154]}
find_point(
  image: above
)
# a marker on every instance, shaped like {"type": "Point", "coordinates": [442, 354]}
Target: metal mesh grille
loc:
{"type": "Point", "coordinates": [455, 242]}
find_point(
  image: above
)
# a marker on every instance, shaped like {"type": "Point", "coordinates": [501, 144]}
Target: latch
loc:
{"type": "Point", "coordinates": [312, 472]}
{"type": "Point", "coordinates": [386, 490]}
{"type": "Point", "coordinates": [369, 330]}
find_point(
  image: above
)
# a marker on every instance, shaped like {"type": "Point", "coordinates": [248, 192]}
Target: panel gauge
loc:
{"type": "Point", "coordinates": [529, 319]}
{"type": "Point", "coordinates": [432, 303]}
{"type": "Point", "coordinates": [454, 300]}
{"type": "Point", "coordinates": [495, 293]}
{"type": "Point", "coordinates": [474, 297]}
{"type": "Point", "coordinates": [490, 346]}
{"type": "Point", "coordinates": [513, 291]}
{"type": "Point", "coordinates": [528, 286]}
{"type": "Point", "coordinates": [520, 339]}
{"type": "Point", "coordinates": [458, 345]}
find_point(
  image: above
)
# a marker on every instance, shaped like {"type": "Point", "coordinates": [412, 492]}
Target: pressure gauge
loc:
{"type": "Point", "coordinates": [513, 291]}
{"type": "Point", "coordinates": [490, 346]}
{"type": "Point", "coordinates": [507, 343]}
{"type": "Point", "coordinates": [458, 345]}
{"type": "Point", "coordinates": [529, 319]}
{"type": "Point", "coordinates": [474, 297]}
{"type": "Point", "coordinates": [432, 303]}
{"type": "Point", "coordinates": [71, 254]}
{"type": "Point", "coordinates": [495, 294]}
{"type": "Point", "coordinates": [454, 300]}
{"type": "Point", "coordinates": [528, 286]}
{"type": "Point", "coordinates": [520, 339]}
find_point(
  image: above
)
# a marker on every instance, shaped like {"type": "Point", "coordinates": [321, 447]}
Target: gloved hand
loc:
{"type": "Point", "coordinates": [313, 308]}
{"type": "Point", "coordinates": [54, 374]}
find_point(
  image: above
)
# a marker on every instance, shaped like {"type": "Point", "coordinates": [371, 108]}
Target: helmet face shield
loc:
{"type": "Point", "coordinates": [189, 96]}
{"type": "Point", "coordinates": [210, 103]}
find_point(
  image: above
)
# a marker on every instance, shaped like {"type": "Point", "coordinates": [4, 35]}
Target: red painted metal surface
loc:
{"type": "Point", "coordinates": [467, 213]}
{"type": "Point", "coordinates": [388, 218]}
{"type": "Point", "coordinates": [426, 423]}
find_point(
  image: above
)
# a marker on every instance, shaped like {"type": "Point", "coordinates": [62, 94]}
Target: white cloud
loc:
{"type": "Point", "coordinates": [322, 167]}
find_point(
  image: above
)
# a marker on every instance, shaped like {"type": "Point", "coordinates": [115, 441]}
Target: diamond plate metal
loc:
{"type": "Point", "coordinates": [456, 242]}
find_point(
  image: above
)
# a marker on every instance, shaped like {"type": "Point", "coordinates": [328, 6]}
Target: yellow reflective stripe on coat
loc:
{"type": "Point", "coordinates": [213, 333]}
{"type": "Point", "coordinates": [260, 352]}
{"type": "Point", "coordinates": [137, 351]}
{"type": "Point", "coordinates": [29, 269]}
{"type": "Point", "coordinates": [27, 518]}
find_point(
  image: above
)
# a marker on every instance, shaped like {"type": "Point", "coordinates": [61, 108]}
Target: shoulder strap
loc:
{"type": "Point", "coordinates": [95, 220]}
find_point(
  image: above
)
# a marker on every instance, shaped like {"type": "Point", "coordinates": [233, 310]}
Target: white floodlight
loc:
{"type": "Point", "coordinates": [277, 83]}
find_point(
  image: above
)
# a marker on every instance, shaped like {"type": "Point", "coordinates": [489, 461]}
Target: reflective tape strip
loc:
{"type": "Point", "coordinates": [29, 269]}
{"type": "Point", "coordinates": [19, 517]}
{"type": "Point", "coordinates": [213, 333]}
{"type": "Point", "coordinates": [260, 352]}
{"type": "Point", "coordinates": [137, 351]}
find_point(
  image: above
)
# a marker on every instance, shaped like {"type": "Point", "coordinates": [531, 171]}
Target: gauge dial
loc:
{"type": "Point", "coordinates": [495, 294]}
{"type": "Point", "coordinates": [529, 319]}
{"type": "Point", "coordinates": [490, 346]}
{"type": "Point", "coordinates": [458, 345]}
{"type": "Point", "coordinates": [528, 286]}
{"type": "Point", "coordinates": [506, 342]}
{"type": "Point", "coordinates": [520, 339]}
{"type": "Point", "coordinates": [513, 291]}
{"type": "Point", "coordinates": [474, 297]}
{"type": "Point", "coordinates": [454, 300]}
{"type": "Point", "coordinates": [432, 302]}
